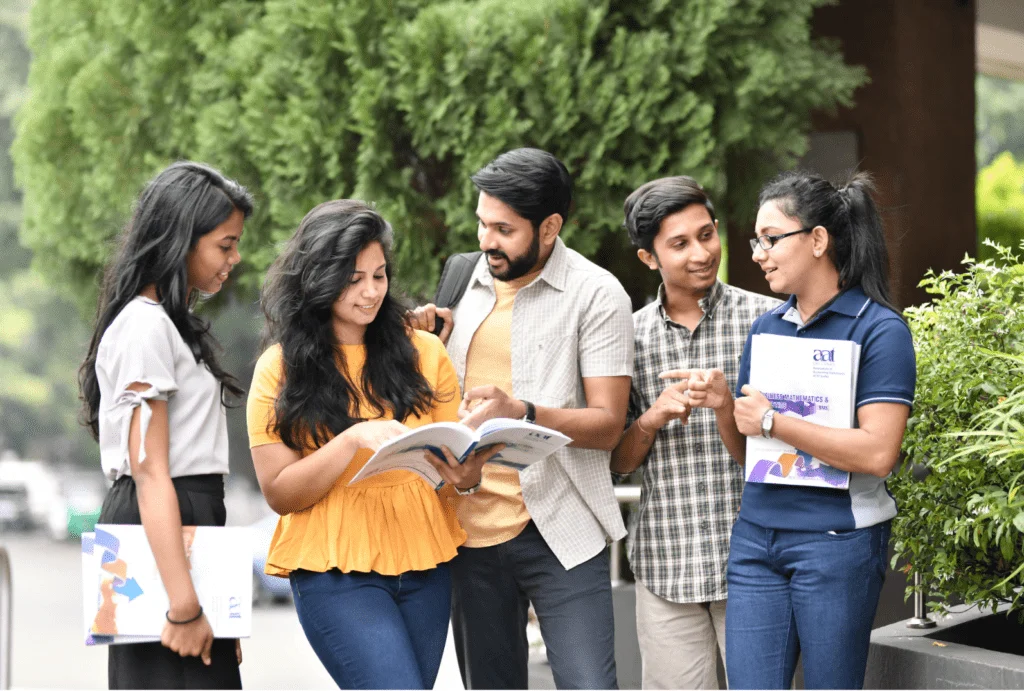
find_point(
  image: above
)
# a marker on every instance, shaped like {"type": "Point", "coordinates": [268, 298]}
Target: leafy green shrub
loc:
{"type": "Point", "coordinates": [962, 526]}
{"type": "Point", "coordinates": [1000, 203]}
{"type": "Point", "coordinates": [398, 102]}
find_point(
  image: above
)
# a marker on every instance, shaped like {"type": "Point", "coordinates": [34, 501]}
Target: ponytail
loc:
{"type": "Point", "coordinates": [849, 214]}
{"type": "Point", "coordinates": [868, 259]}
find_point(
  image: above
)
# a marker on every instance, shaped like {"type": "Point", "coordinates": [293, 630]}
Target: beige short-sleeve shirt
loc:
{"type": "Point", "coordinates": [572, 322]}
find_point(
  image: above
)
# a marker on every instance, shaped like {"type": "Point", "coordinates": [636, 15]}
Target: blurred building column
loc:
{"type": "Point", "coordinates": [912, 127]}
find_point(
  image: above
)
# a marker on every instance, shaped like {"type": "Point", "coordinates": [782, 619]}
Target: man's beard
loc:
{"type": "Point", "coordinates": [521, 265]}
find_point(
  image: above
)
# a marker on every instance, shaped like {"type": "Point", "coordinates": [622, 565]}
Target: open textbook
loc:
{"type": "Point", "coordinates": [811, 378]}
{"type": "Point", "coordinates": [525, 444]}
{"type": "Point", "coordinates": [123, 597]}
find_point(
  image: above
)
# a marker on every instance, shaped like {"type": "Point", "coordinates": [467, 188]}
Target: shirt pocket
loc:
{"type": "Point", "coordinates": [555, 371]}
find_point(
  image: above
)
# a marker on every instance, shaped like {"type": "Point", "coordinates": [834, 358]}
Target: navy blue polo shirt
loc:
{"type": "Point", "coordinates": [887, 374]}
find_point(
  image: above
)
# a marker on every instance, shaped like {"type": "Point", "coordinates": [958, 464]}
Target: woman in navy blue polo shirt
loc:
{"type": "Point", "coordinates": [806, 564]}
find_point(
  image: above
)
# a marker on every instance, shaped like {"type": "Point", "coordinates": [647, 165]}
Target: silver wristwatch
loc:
{"type": "Point", "coordinates": [766, 423]}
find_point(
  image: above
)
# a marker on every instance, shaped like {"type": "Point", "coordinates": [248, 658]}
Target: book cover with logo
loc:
{"type": "Point", "coordinates": [124, 600]}
{"type": "Point", "coordinates": [810, 378]}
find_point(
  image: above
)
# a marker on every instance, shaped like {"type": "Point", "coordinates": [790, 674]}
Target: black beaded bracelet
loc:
{"type": "Point", "coordinates": [184, 621]}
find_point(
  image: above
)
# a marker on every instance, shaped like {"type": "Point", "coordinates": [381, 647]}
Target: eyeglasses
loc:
{"type": "Point", "coordinates": [766, 242]}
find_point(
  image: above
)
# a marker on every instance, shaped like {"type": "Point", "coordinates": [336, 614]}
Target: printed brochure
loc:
{"type": "Point", "coordinates": [810, 378]}
{"type": "Point", "coordinates": [123, 597]}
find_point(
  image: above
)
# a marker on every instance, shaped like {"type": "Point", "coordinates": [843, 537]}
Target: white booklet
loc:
{"type": "Point", "coordinates": [123, 597]}
{"type": "Point", "coordinates": [810, 378]}
{"type": "Point", "coordinates": [525, 444]}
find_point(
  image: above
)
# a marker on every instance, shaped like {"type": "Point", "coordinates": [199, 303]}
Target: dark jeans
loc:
{"type": "Point", "coordinates": [793, 592]}
{"type": "Point", "coordinates": [150, 665]}
{"type": "Point", "coordinates": [493, 587]}
{"type": "Point", "coordinates": [376, 632]}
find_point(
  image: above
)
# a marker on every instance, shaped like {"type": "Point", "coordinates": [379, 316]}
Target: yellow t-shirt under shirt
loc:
{"type": "Point", "coordinates": [388, 524]}
{"type": "Point", "coordinates": [496, 513]}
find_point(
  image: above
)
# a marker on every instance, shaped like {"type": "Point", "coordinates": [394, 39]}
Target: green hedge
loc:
{"type": "Point", "coordinates": [962, 527]}
{"type": "Point", "coordinates": [399, 101]}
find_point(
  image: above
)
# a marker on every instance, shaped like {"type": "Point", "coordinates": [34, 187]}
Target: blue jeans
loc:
{"type": "Point", "coordinates": [793, 592]}
{"type": "Point", "coordinates": [494, 586]}
{"type": "Point", "coordinates": [376, 632]}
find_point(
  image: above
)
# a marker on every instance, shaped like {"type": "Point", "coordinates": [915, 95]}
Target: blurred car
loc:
{"type": "Point", "coordinates": [265, 588]}
{"type": "Point", "coordinates": [15, 512]}
{"type": "Point", "coordinates": [78, 507]}
{"type": "Point", "coordinates": [37, 479]}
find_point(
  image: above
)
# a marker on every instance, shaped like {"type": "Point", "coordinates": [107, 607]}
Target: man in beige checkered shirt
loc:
{"type": "Point", "coordinates": [541, 334]}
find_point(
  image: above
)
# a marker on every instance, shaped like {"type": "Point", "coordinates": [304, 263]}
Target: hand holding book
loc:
{"type": "Point", "coordinates": [522, 444]}
{"type": "Point", "coordinates": [749, 409]}
{"type": "Point", "coordinates": [465, 474]}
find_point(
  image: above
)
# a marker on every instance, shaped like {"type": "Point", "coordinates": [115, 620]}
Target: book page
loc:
{"type": "Point", "coordinates": [525, 442]}
{"type": "Point", "coordinates": [809, 378]}
{"type": "Point", "coordinates": [406, 451]}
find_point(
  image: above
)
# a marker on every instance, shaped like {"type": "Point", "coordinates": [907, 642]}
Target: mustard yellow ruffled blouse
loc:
{"type": "Point", "coordinates": [388, 524]}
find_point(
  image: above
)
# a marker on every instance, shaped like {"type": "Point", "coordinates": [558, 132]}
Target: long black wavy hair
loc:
{"type": "Point", "coordinates": [853, 223]}
{"type": "Point", "coordinates": [184, 202]}
{"type": "Point", "coordinates": [317, 401]}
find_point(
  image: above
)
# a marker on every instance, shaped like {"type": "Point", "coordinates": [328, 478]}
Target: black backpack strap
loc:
{"type": "Point", "coordinates": [454, 280]}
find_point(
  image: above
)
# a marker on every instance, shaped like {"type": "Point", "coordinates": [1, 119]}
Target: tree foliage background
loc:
{"type": "Point", "coordinates": [398, 102]}
{"type": "Point", "coordinates": [1000, 203]}
{"type": "Point", "coordinates": [41, 336]}
{"type": "Point", "coordinates": [999, 118]}
{"type": "Point", "coordinates": [1000, 154]}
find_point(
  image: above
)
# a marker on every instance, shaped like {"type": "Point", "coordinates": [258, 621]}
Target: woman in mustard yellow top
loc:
{"type": "Point", "coordinates": [368, 562]}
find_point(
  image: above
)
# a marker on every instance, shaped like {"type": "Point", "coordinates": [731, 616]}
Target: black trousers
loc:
{"type": "Point", "coordinates": [491, 590]}
{"type": "Point", "coordinates": [151, 665]}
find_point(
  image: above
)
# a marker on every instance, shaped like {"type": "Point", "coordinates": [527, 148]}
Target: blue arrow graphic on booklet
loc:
{"type": "Point", "coordinates": [130, 588]}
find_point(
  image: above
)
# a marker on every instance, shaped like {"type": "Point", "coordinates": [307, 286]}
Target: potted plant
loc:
{"type": "Point", "coordinates": [961, 520]}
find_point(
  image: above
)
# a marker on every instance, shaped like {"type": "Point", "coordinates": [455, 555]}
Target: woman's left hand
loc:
{"type": "Point", "coordinates": [748, 411]}
{"type": "Point", "coordinates": [462, 475]}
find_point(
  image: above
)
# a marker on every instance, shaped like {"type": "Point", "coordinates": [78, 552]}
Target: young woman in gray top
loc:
{"type": "Point", "coordinates": [153, 397]}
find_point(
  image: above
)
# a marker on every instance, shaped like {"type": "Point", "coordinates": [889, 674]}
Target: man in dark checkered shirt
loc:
{"type": "Point", "coordinates": [691, 486]}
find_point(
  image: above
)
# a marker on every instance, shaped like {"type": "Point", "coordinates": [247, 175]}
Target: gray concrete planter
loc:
{"type": "Point", "coordinates": [969, 649]}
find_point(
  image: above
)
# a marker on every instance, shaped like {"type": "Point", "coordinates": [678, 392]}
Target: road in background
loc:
{"type": "Point", "coordinates": [48, 651]}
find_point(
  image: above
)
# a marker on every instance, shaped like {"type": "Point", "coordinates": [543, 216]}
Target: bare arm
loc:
{"type": "Point", "coordinates": [872, 448]}
{"type": "Point", "coordinates": [292, 483]}
{"type": "Point", "coordinates": [632, 449]}
{"type": "Point", "coordinates": [735, 442]}
{"type": "Point", "coordinates": [161, 520]}
{"type": "Point", "coordinates": [598, 426]}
